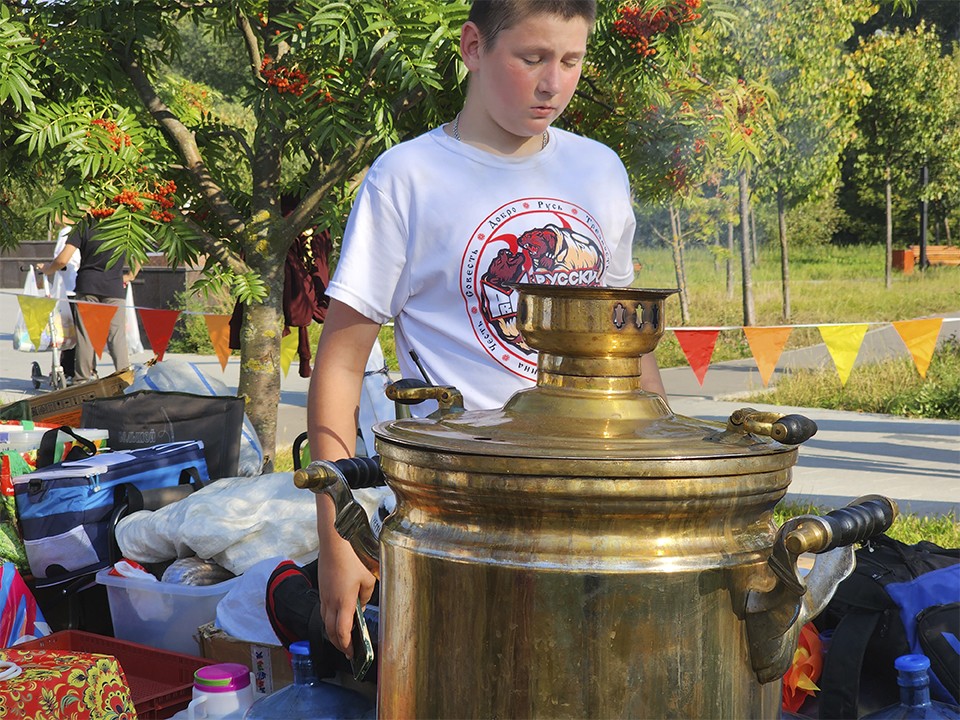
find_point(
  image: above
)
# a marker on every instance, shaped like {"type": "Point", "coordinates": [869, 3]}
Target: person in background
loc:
{"type": "Point", "coordinates": [441, 229]}
{"type": "Point", "coordinates": [97, 283]}
{"type": "Point", "coordinates": [68, 357]}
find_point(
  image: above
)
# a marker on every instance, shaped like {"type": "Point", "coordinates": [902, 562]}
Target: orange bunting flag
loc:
{"type": "Point", "coordinates": [288, 349]}
{"type": "Point", "coordinates": [697, 346]}
{"type": "Point", "coordinates": [96, 319]}
{"type": "Point", "coordinates": [766, 344]}
{"type": "Point", "coordinates": [843, 342]}
{"type": "Point", "coordinates": [158, 325]}
{"type": "Point", "coordinates": [219, 328]}
{"type": "Point", "coordinates": [920, 337]}
{"type": "Point", "coordinates": [36, 314]}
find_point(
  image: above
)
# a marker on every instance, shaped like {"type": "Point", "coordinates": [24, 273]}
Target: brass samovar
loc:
{"type": "Point", "coordinates": [583, 552]}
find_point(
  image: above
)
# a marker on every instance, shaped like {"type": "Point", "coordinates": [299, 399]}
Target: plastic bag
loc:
{"type": "Point", "coordinates": [21, 336]}
{"type": "Point", "coordinates": [134, 342]}
{"type": "Point", "coordinates": [67, 338]}
{"type": "Point", "coordinates": [176, 376]}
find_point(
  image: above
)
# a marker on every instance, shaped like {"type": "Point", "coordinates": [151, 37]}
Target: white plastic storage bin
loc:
{"type": "Point", "coordinates": [161, 615]}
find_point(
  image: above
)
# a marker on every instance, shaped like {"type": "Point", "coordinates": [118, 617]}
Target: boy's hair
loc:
{"type": "Point", "coordinates": [494, 16]}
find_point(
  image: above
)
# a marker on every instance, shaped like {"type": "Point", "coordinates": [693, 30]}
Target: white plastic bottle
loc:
{"type": "Point", "coordinates": [220, 692]}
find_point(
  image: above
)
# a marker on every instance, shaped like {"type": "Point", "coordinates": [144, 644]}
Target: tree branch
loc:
{"type": "Point", "coordinates": [184, 142]}
{"type": "Point", "coordinates": [217, 249]}
{"type": "Point", "coordinates": [334, 173]}
{"type": "Point", "coordinates": [251, 42]}
{"type": "Point", "coordinates": [232, 133]}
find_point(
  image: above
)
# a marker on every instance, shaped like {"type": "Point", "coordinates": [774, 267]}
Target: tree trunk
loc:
{"type": "Point", "coordinates": [716, 255]}
{"type": "Point", "coordinates": [888, 265]}
{"type": "Point", "coordinates": [784, 254]}
{"type": "Point", "coordinates": [676, 244]}
{"type": "Point", "coordinates": [731, 244]}
{"type": "Point", "coordinates": [746, 280]}
{"type": "Point", "coordinates": [753, 236]}
{"type": "Point", "coordinates": [946, 230]}
{"type": "Point", "coordinates": [260, 356]}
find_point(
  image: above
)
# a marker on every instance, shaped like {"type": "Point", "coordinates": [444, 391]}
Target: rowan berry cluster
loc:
{"type": "Point", "coordinates": [161, 196]}
{"type": "Point", "coordinates": [284, 79]}
{"type": "Point", "coordinates": [130, 198]}
{"type": "Point", "coordinates": [117, 137]}
{"type": "Point", "coordinates": [641, 26]}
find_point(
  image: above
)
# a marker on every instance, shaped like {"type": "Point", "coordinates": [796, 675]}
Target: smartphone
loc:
{"type": "Point", "coordinates": [362, 647]}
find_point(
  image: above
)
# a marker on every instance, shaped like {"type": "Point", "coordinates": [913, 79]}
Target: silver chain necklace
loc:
{"type": "Point", "coordinates": [456, 133]}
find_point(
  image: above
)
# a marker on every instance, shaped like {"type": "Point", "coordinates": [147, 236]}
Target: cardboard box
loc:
{"type": "Point", "coordinates": [62, 407]}
{"type": "Point", "coordinates": [270, 663]}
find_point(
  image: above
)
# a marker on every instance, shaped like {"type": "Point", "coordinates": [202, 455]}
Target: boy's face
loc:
{"type": "Point", "coordinates": [526, 79]}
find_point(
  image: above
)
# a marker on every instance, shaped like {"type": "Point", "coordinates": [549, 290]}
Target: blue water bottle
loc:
{"type": "Point", "coordinates": [915, 703]}
{"type": "Point", "coordinates": [310, 698]}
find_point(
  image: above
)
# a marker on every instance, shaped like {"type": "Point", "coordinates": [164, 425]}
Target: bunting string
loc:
{"type": "Point", "coordinates": [843, 340]}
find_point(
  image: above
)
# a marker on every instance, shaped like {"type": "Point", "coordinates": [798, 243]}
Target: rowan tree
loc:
{"type": "Point", "coordinates": [329, 86]}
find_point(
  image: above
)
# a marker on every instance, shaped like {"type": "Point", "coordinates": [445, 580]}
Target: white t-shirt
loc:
{"type": "Point", "coordinates": [439, 227]}
{"type": "Point", "coordinates": [73, 264]}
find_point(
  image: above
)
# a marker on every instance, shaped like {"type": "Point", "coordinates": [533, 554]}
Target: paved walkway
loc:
{"type": "Point", "coordinates": [916, 462]}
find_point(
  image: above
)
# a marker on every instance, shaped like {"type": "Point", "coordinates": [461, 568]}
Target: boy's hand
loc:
{"type": "Point", "coordinates": [342, 579]}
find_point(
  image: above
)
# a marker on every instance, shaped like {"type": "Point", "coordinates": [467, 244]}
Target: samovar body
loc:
{"type": "Point", "coordinates": [583, 552]}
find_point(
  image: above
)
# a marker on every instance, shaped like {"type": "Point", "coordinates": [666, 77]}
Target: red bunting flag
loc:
{"type": "Point", "coordinates": [766, 344]}
{"type": "Point", "coordinates": [158, 325]}
{"type": "Point", "coordinates": [920, 337]}
{"type": "Point", "coordinates": [697, 346]}
{"type": "Point", "coordinates": [96, 319]}
{"type": "Point", "coordinates": [219, 328]}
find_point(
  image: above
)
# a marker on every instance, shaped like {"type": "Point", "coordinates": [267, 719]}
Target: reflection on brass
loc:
{"type": "Point", "coordinates": [583, 552]}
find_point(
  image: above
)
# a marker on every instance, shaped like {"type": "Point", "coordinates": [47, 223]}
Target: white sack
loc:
{"type": "Point", "coordinates": [235, 522]}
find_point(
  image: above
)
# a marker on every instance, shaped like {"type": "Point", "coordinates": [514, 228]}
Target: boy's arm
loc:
{"type": "Point", "coordinates": [333, 403]}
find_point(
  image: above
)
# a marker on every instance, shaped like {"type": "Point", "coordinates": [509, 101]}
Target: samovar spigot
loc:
{"type": "Point", "coordinates": [775, 616]}
{"type": "Point", "coordinates": [336, 479]}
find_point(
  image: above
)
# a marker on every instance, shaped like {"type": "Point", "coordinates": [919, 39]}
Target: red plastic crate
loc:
{"type": "Point", "coordinates": [161, 682]}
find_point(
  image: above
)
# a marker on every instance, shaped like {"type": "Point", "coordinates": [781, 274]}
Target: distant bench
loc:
{"type": "Point", "coordinates": [905, 260]}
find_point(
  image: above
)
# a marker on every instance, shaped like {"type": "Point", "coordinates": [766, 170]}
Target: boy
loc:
{"type": "Point", "coordinates": [443, 223]}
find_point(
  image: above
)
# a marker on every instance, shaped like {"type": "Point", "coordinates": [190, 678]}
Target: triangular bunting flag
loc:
{"type": "Point", "coordinates": [219, 328]}
{"type": "Point", "coordinates": [36, 314]}
{"type": "Point", "coordinates": [96, 319]}
{"type": "Point", "coordinates": [766, 344]}
{"type": "Point", "coordinates": [920, 337]}
{"type": "Point", "coordinates": [697, 346]}
{"type": "Point", "coordinates": [158, 324]}
{"type": "Point", "coordinates": [843, 342]}
{"type": "Point", "coordinates": [288, 349]}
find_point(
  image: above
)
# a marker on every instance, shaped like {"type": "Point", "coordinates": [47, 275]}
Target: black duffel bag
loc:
{"type": "Point", "coordinates": [148, 417]}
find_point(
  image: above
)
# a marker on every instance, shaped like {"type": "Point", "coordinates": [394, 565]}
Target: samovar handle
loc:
{"type": "Point", "coordinates": [410, 391]}
{"type": "Point", "coordinates": [774, 617]}
{"type": "Point", "coordinates": [336, 480]}
{"type": "Point", "coordinates": [786, 429]}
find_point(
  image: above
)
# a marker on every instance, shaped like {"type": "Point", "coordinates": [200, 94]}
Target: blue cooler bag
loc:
{"type": "Point", "coordinates": [65, 509]}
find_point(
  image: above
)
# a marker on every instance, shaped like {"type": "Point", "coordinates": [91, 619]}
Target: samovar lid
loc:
{"type": "Point", "coordinates": [587, 403]}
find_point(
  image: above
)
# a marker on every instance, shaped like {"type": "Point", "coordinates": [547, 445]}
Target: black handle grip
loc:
{"type": "Point", "coordinates": [856, 523]}
{"type": "Point", "coordinates": [361, 472]}
{"type": "Point", "coordinates": [793, 429]}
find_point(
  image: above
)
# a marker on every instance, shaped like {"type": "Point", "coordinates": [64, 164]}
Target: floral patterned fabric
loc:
{"type": "Point", "coordinates": [65, 686]}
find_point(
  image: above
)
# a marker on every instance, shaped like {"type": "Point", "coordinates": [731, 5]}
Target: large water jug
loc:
{"type": "Point", "coordinates": [915, 703]}
{"type": "Point", "coordinates": [310, 698]}
{"type": "Point", "coordinates": [220, 692]}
